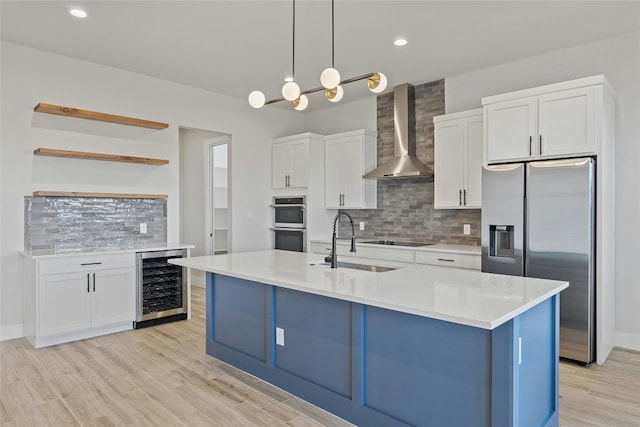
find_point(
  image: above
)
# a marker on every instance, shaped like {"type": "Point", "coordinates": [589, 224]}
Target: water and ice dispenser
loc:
{"type": "Point", "coordinates": [501, 241]}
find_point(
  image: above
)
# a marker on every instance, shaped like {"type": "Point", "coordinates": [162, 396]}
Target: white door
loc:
{"type": "Point", "coordinates": [352, 171]}
{"type": "Point", "coordinates": [473, 162]}
{"type": "Point", "coordinates": [333, 175]}
{"type": "Point", "coordinates": [511, 128]}
{"type": "Point", "coordinates": [567, 123]}
{"type": "Point", "coordinates": [281, 165]}
{"type": "Point", "coordinates": [112, 296]}
{"type": "Point", "coordinates": [299, 164]}
{"type": "Point", "coordinates": [64, 303]}
{"type": "Point", "coordinates": [448, 164]}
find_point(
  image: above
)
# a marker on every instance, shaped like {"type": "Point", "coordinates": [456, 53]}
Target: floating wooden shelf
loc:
{"type": "Point", "coordinates": [97, 195]}
{"type": "Point", "coordinates": [98, 156]}
{"type": "Point", "coordinates": [101, 117]}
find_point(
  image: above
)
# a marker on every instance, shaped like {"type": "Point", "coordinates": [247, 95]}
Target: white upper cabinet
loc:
{"type": "Point", "coordinates": [349, 156]}
{"type": "Point", "coordinates": [552, 121]}
{"type": "Point", "coordinates": [458, 160]}
{"type": "Point", "coordinates": [290, 161]}
{"type": "Point", "coordinates": [567, 123]}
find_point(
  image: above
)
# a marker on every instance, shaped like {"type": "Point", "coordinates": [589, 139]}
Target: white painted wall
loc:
{"type": "Point", "coordinates": [343, 117]}
{"type": "Point", "coordinates": [29, 76]}
{"type": "Point", "coordinates": [619, 59]}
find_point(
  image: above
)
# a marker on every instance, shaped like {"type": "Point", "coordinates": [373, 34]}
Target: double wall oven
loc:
{"type": "Point", "coordinates": [290, 223]}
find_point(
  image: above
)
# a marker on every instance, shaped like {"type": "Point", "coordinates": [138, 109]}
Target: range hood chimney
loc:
{"type": "Point", "coordinates": [404, 163]}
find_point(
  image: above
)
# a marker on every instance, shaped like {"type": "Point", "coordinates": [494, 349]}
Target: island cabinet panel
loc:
{"type": "Point", "coordinates": [380, 367]}
{"type": "Point", "coordinates": [424, 371]}
{"type": "Point", "coordinates": [317, 339]}
{"type": "Point", "coordinates": [239, 318]}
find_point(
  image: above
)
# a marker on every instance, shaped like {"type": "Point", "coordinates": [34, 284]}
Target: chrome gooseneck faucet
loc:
{"type": "Point", "coordinates": [333, 256]}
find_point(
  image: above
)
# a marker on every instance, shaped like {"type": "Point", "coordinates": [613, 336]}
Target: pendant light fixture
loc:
{"type": "Point", "coordinates": [329, 78]}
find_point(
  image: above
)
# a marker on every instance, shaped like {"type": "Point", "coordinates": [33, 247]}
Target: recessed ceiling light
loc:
{"type": "Point", "coordinates": [400, 42]}
{"type": "Point", "coordinates": [78, 13]}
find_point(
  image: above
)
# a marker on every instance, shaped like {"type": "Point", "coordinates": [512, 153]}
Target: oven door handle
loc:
{"type": "Point", "coordinates": [300, 230]}
{"type": "Point", "coordinates": [289, 206]}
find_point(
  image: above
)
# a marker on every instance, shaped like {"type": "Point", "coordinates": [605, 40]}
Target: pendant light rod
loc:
{"type": "Point", "coordinates": [333, 43]}
{"type": "Point", "coordinates": [293, 47]}
{"type": "Point", "coordinates": [320, 88]}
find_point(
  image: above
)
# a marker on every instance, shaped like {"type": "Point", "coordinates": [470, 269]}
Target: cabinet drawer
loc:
{"type": "Point", "coordinates": [389, 254]}
{"type": "Point", "coordinates": [82, 263]}
{"type": "Point", "coordinates": [449, 260]}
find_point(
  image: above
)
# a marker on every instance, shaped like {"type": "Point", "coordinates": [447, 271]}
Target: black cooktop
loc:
{"type": "Point", "coordinates": [396, 243]}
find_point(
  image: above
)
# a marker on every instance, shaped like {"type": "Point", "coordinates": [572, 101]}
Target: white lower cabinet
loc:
{"type": "Point", "coordinates": [72, 298]}
{"type": "Point", "coordinates": [434, 256]}
{"type": "Point", "coordinates": [448, 259]}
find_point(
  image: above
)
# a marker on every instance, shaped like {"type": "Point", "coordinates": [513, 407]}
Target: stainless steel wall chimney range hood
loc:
{"type": "Point", "coordinates": [404, 163]}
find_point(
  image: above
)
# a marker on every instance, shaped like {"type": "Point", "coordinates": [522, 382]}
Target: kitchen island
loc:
{"type": "Point", "coordinates": [416, 345]}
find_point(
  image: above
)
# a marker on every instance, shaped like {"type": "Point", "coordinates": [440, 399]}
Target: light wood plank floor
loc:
{"type": "Point", "coordinates": [161, 376]}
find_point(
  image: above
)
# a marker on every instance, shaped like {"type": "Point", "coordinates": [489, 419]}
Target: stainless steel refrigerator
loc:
{"type": "Point", "coordinates": [538, 220]}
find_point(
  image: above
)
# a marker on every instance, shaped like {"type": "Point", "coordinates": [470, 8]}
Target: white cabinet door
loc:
{"type": "Point", "coordinates": [458, 160]}
{"type": "Point", "coordinates": [333, 176]}
{"type": "Point", "coordinates": [473, 162]}
{"type": "Point", "coordinates": [448, 164]}
{"type": "Point", "coordinates": [511, 128]}
{"type": "Point", "coordinates": [112, 296]}
{"type": "Point", "coordinates": [281, 165]}
{"type": "Point", "coordinates": [299, 164]}
{"type": "Point", "coordinates": [567, 123]}
{"type": "Point", "coordinates": [349, 156]}
{"type": "Point", "coordinates": [353, 184]}
{"type": "Point", "coordinates": [64, 303]}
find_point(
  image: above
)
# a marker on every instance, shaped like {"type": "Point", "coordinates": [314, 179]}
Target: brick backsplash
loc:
{"type": "Point", "coordinates": [405, 206]}
{"type": "Point", "coordinates": [74, 223]}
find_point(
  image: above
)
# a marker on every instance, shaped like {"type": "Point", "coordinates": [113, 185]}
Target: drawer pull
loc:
{"type": "Point", "coordinates": [447, 260]}
{"type": "Point", "coordinates": [91, 263]}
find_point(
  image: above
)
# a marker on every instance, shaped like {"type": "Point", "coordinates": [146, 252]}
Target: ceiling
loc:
{"type": "Point", "coordinates": [234, 47]}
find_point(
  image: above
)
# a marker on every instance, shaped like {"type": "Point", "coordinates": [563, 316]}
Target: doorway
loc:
{"type": "Point", "coordinates": [217, 196]}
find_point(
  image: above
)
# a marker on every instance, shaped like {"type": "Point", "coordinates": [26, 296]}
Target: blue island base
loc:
{"type": "Point", "coordinates": [379, 367]}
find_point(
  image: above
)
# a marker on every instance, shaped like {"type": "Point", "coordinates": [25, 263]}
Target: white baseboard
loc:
{"type": "Point", "coordinates": [9, 332]}
{"type": "Point", "coordinates": [628, 341]}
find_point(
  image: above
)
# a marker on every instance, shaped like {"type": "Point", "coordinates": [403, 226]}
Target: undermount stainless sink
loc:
{"type": "Point", "coordinates": [352, 265]}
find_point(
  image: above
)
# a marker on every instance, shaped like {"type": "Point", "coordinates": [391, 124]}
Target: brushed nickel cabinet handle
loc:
{"type": "Point", "coordinates": [446, 259]}
{"type": "Point", "coordinates": [88, 283]}
{"type": "Point", "coordinates": [464, 197]}
{"type": "Point", "coordinates": [541, 145]}
{"type": "Point", "coordinates": [530, 145]}
{"type": "Point", "coordinates": [91, 263]}
{"type": "Point", "coordinates": [459, 197]}
{"type": "Point", "coordinates": [94, 282]}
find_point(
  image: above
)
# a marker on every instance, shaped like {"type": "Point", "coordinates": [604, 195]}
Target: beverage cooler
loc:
{"type": "Point", "coordinates": [161, 288]}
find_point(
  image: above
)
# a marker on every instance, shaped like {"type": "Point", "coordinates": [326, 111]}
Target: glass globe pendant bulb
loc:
{"type": "Point", "coordinates": [301, 103]}
{"type": "Point", "coordinates": [330, 78]}
{"type": "Point", "coordinates": [335, 94]}
{"type": "Point", "coordinates": [256, 99]}
{"type": "Point", "coordinates": [291, 91]}
{"type": "Point", "coordinates": [377, 83]}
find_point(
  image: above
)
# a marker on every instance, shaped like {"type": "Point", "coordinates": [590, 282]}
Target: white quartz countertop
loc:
{"type": "Point", "coordinates": [438, 247]}
{"type": "Point", "coordinates": [467, 297]}
{"type": "Point", "coordinates": [50, 253]}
